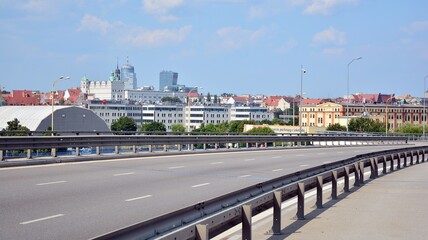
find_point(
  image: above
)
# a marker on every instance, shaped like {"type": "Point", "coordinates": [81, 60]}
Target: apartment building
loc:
{"type": "Point", "coordinates": [238, 113]}
{"type": "Point", "coordinates": [393, 115]}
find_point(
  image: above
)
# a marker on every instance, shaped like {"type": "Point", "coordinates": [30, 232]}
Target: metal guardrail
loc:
{"type": "Point", "coordinates": [207, 219]}
{"type": "Point", "coordinates": [52, 143]}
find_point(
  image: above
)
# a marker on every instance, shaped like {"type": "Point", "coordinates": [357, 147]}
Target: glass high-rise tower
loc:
{"type": "Point", "coordinates": [128, 75]}
{"type": "Point", "coordinates": [166, 79]}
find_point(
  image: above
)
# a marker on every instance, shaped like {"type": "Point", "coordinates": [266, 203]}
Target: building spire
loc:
{"type": "Point", "coordinates": [127, 60]}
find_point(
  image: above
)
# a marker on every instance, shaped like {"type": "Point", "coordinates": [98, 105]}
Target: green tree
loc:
{"type": "Point", "coordinates": [238, 126]}
{"type": "Point", "coordinates": [153, 127]}
{"type": "Point", "coordinates": [364, 124]}
{"type": "Point", "coordinates": [336, 127]}
{"type": "Point", "coordinates": [266, 121]}
{"type": "Point", "coordinates": [216, 99]}
{"type": "Point", "coordinates": [277, 121]}
{"type": "Point", "coordinates": [410, 128]}
{"type": "Point", "coordinates": [261, 130]}
{"type": "Point", "coordinates": [171, 99]}
{"type": "Point", "coordinates": [15, 126]}
{"type": "Point", "coordinates": [124, 124]}
{"type": "Point", "coordinates": [178, 128]}
{"type": "Point", "coordinates": [208, 97]}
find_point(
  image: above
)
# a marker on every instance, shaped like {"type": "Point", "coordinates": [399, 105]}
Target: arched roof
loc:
{"type": "Point", "coordinates": [67, 118]}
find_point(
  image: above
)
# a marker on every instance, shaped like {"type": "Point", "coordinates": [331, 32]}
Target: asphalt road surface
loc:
{"type": "Point", "coordinates": [83, 200]}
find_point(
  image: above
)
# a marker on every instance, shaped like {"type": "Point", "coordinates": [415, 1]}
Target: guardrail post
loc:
{"type": "Point", "coordinates": [116, 149]}
{"type": "Point", "coordinates": [266, 144]}
{"type": "Point", "coordinates": [423, 155]}
{"type": "Point", "coordinates": [29, 152]}
{"type": "Point", "coordinates": [247, 145]}
{"type": "Point", "coordinates": [77, 151]}
{"type": "Point", "coordinates": [346, 179]}
{"type": "Point", "coordinates": [205, 146]}
{"type": "Point", "coordinates": [277, 200]}
{"type": "Point", "coordinates": [357, 175]}
{"type": "Point", "coordinates": [1, 155]}
{"type": "Point", "coordinates": [97, 150]}
{"type": "Point", "coordinates": [384, 165]}
{"type": "Point", "coordinates": [319, 191]}
{"type": "Point", "coordinates": [373, 168]}
{"type": "Point", "coordinates": [192, 147]}
{"type": "Point", "coordinates": [405, 160]}
{"type": "Point", "coordinates": [257, 145]}
{"type": "Point", "coordinates": [246, 222]}
{"type": "Point", "coordinates": [202, 232]}
{"type": "Point", "coordinates": [54, 152]}
{"type": "Point", "coordinates": [334, 184]}
{"type": "Point", "coordinates": [417, 157]}
{"type": "Point", "coordinates": [165, 148]}
{"type": "Point", "coordinates": [392, 163]}
{"type": "Point", "coordinates": [150, 148]}
{"type": "Point", "coordinates": [411, 158]}
{"type": "Point", "coordinates": [134, 149]}
{"type": "Point", "coordinates": [300, 201]}
{"type": "Point", "coordinates": [361, 168]}
{"type": "Point", "coordinates": [398, 157]}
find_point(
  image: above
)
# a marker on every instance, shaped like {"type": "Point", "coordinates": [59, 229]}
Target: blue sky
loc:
{"type": "Point", "coordinates": [240, 46]}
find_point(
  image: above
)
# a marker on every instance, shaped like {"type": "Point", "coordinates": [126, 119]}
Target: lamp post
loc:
{"type": "Point", "coordinates": [53, 99]}
{"type": "Point", "coordinates": [188, 107]}
{"type": "Point", "coordinates": [301, 95]}
{"type": "Point", "coordinates": [424, 115]}
{"type": "Point", "coordinates": [347, 94]}
{"type": "Point", "coordinates": [386, 115]}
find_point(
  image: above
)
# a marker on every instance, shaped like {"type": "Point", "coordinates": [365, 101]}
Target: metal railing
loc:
{"type": "Point", "coordinates": [30, 144]}
{"type": "Point", "coordinates": [207, 219]}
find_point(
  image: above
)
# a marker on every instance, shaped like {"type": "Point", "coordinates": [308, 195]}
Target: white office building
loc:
{"type": "Point", "coordinates": [239, 113]}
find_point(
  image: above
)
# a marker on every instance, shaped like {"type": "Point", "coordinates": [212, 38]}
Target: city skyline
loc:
{"type": "Point", "coordinates": [239, 46]}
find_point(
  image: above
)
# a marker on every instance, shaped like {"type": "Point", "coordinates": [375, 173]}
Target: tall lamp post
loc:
{"type": "Point", "coordinates": [188, 107]}
{"type": "Point", "coordinates": [424, 115]}
{"type": "Point", "coordinates": [347, 94]}
{"type": "Point", "coordinates": [53, 99]}
{"type": "Point", "coordinates": [386, 115]}
{"type": "Point", "coordinates": [302, 70]}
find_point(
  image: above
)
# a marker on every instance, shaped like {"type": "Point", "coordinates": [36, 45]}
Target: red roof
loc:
{"type": "Point", "coordinates": [311, 101]}
{"type": "Point", "coordinates": [74, 94]}
{"type": "Point", "coordinates": [242, 99]}
{"type": "Point", "coordinates": [22, 98]}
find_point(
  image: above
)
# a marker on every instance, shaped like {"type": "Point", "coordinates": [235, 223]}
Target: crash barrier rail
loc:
{"type": "Point", "coordinates": [207, 219]}
{"type": "Point", "coordinates": [53, 143]}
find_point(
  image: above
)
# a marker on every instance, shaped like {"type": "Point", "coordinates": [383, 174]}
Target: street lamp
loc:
{"type": "Point", "coordinates": [425, 116]}
{"type": "Point", "coordinates": [347, 95]}
{"type": "Point", "coordinates": [301, 95]}
{"type": "Point", "coordinates": [188, 106]}
{"type": "Point", "coordinates": [386, 115]}
{"type": "Point", "coordinates": [52, 96]}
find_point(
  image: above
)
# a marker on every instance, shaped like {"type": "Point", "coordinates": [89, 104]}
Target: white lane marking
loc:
{"type": "Point", "coordinates": [176, 167]}
{"type": "Point", "coordinates": [42, 219]}
{"type": "Point", "coordinates": [244, 176]}
{"type": "Point", "coordinates": [123, 174]}
{"type": "Point", "coordinates": [304, 165]}
{"type": "Point", "coordinates": [49, 183]}
{"type": "Point", "coordinates": [276, 170]}
{"type": "Point", "coordinates": [216, 163]}
{"type": "Point", "coordinates": [200, 185]}
{"type": "Point", "coordinates": [300, 155]}
{"type": "Point", "coordinates": [276, 157]}
{"type": "Point", "coordinates": [326, 162]}
{"type": "Point", "coordinates": [137, 198]}
{"type": "Point", "coordinates": [250, 159]}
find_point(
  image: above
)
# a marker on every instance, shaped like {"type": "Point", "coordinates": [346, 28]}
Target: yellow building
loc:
{"type": "Point", "coordinates": [326, 114]}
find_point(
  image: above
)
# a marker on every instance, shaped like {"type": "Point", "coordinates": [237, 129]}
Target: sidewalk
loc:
{"type": "Point", "coordinates": [389, 207]}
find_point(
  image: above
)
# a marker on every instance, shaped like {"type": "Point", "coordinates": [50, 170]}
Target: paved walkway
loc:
{"type": "Point", "coordinates": [393, 206]}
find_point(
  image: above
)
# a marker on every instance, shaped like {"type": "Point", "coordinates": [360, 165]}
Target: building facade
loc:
{"type": "Point", "coordinates": [167, 79]}
{"type": "Point", "coordinates": [128, 76]}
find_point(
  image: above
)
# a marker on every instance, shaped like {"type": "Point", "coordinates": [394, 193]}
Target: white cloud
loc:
{"type": "Point", "coordinates": [333, 51]}
{"type": "Point", "coordinates": [290, 44]}
{"type": "Point", "coordinates": [144, 37]}
{"type": "Point", "coordinates": [330, 36]}
{"type": "Point", "coordinates": [39, 6]}
{"type": "Point", "coordinates": [92, 23]}
{"type": "Point", "coordinates": [161, 8]}
{"type": "Point", "coordinates": [234, 37]}
{"type": "Point", "coordinates": [256, 12]}
{"type": "Point", "coordinates": [417, 26]}
{"type": "Point", "coordinates": [323, 6]}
